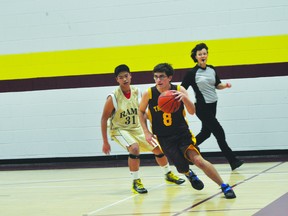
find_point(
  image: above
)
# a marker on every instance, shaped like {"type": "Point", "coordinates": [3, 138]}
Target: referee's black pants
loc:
{"type": "Point", "coordinates": [207, 114]}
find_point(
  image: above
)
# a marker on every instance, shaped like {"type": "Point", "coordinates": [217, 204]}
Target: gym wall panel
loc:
{"type": "Point", "coordinates": [121, 21]}
{"type": "Point", "coordinates": [224, 52]}
{"type": "Point", "coordinates": [57, 59]}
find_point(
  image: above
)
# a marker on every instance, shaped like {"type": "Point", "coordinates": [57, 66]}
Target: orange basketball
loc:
{"type": "Point", "coordinates": [167, 102]}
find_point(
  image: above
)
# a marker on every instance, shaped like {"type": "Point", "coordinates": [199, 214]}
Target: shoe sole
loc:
{"type": "Point", "coordinates": [230, 197]}
{"type": "Point", "coordinates": [172, 182]}
{"type": "Point", "coordinates": [197, 186]}
{"type": "Point", "coordinates": [136, 192]}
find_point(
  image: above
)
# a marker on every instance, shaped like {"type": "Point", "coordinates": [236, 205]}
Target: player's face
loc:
{"type": "Point", "coordinates": [162, 81]}
{"type": "Point", "coordinates": [124, 78]}
{"type": "Point", "coordinates": [202, 56]}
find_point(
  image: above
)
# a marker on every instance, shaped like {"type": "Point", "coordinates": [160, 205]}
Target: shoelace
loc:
{"type": "Point", "coordinates": [172, 176]}
{"type": "Point", "coordinates": [193, 176]}
{"type": "Point", "coordinates": [139, 184]}
{"type": "Point", "coordinates": [225, 188]}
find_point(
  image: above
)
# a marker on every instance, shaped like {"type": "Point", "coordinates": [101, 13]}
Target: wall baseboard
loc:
{"type": "Point", "coordinates": [121, 160]}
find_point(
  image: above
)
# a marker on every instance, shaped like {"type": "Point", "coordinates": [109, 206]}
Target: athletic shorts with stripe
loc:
{"type": "Point", "coordinates": [175, 148]}
{"type": "Point", "coordinates": [125, 138]}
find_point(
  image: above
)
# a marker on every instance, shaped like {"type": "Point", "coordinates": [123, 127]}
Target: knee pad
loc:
{"type": "Point", "coordinates": [134, 156]}
{"type": "Point", "coordinates": [159, 155]}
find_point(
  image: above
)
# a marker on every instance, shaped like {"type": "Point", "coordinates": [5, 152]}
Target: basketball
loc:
{"type": "Point", "coordinates": [167, 102]}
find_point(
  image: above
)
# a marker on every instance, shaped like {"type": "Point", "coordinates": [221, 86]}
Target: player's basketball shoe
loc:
{"type": "Point", "coordinates": [228, 191]}
{"type": "Point", "coordinates": [195, 181]}
{"type": "Point", "coordinates": [171, 177]}
{"type": "Point", "coordinates": [137, 187]}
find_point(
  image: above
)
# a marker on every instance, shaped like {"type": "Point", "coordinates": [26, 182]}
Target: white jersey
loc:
{"type": "Point", "coordinates": [125, 115]}
{"type": "Point", "coordinates": [125, 127]}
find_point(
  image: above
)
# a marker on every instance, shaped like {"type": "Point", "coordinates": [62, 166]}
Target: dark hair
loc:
{"type": "Point", "coordinates": [121, 68]}
{"type": "Point", "coordinates": [198, 47]}
{"type": "Point", "coordinates": [164, 68]}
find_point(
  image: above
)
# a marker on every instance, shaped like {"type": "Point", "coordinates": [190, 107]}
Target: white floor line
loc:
{"type": "Point", "coordinates": [120, 201]}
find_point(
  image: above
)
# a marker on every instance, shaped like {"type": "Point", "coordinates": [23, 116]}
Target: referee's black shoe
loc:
{"type": "Point", "coordinates": [236, 164]}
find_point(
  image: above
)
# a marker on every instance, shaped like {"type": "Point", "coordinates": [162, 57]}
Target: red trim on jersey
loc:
{"type": "Point", "coordinates": [127, 94]}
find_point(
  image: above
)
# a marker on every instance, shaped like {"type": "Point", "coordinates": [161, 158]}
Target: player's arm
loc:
{"type": "Point", "coordinates": [143, 119]}
{"type": "Point", "coordinates": [184, 97]}
{"type": "Point", "coordinates": [142, 111]}
{"type": "Point", "coordinates": [107, 112]}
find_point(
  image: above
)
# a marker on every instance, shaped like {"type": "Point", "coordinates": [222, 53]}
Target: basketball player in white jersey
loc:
{"type": "Point", "coordinates": [121, 108]}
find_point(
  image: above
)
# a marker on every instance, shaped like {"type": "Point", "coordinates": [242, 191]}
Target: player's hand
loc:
{"type": "Point", "coordinates": [178, 95]}
{"type": "Point", "coordinates": [151, 139]}
{"type": "Point", "coordinates": [106, 148]}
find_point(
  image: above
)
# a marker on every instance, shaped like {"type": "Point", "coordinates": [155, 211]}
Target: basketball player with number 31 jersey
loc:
{"type": "Point", "coordinates": [121, 108]}
{"type": "Point", "coordinates": [124, 119]}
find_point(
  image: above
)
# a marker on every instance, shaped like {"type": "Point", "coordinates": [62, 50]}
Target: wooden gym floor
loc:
{"type": "Point", "coordinates": [260, 188]}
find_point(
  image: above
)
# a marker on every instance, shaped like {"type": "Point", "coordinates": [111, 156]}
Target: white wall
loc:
{"type": "Point", "coordinates": [41, 25]}
{"type": "Point", "coordinates": [253, 114]}
{"type": "Point", "coordinates": [66, 123]}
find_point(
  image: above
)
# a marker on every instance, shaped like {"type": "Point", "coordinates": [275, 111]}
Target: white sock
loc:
{"type": "Point", "coordinates": [166, 168]}
{"type": "Point", "coordinates": [134, 174]}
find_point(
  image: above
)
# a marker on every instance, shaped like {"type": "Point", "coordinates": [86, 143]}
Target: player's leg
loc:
{"type": "Point", "coordinates": [134, 157]}
{"type": "Point", "coordinates": [172, 151]}
{"type": "Point", "coordinates": [204, 165]}
{"type": "Point", "coordinates": [160, 158]}
{"type": "Point", "coordinates": [134, 164]}
{"type": "Point", "coordinates": [162, 161]}
{"type": "Point", "coordinates": [127, 141]}
{"type": "Point", "coordinates": [211, 172]}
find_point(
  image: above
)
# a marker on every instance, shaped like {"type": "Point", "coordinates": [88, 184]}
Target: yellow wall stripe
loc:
{"type": "Point", "coordinates": [224, 52]}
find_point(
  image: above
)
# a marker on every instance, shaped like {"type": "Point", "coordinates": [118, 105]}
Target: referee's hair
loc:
{"type": "Point", "coordinates": [198, 47]}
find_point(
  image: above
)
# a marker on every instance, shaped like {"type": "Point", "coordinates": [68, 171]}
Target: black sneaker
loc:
{"type": "Point", "coordinates": [171, 177]}
{"type": "Point", "coordinates": [236, 164]}
{"type": "Point", "coordinates": [195, 181]}
{"type": "Point", "coordinates": [137, 187]}
{"type": "Point", "coordinates": [228, 191]}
